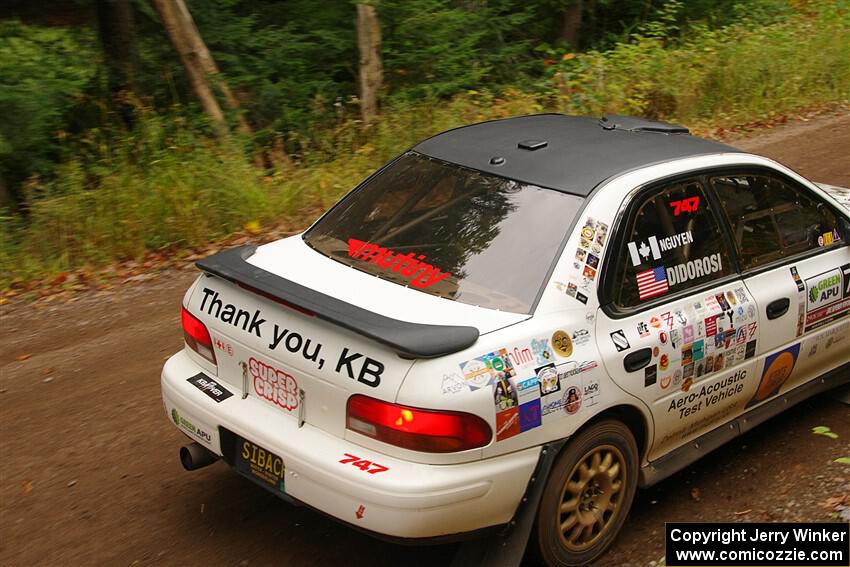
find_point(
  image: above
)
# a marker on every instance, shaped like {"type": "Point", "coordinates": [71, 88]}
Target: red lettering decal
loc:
{"type": "Point", "coordinates": [689, 205]}
{"type": "Point", "coordinates": [363, 464]}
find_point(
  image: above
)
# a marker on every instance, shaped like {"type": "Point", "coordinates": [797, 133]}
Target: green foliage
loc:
{"type": "Point", "coordinates": [737, 73]}
{"type": "Point", "coordinates": [43, 73]}
{"type": "Point", "coordinates": [435, 48]}
{"type": "Point", "coordinates": [159, 181]}
{"type": "Point", "coordinates": [160, 186]}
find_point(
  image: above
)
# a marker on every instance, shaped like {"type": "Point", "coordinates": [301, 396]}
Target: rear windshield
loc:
{"type": "Point", "coordinates": [449, 231]}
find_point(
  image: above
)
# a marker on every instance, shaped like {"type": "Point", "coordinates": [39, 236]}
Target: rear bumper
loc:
{"type": "Point", "coordinates": [408, 500]}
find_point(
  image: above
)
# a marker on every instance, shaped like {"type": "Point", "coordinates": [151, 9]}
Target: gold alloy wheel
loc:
{"type": "Point", "coordinates": [590, 498]}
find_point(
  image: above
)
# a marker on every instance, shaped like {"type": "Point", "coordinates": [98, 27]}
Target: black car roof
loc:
{"type": "Point", "coordinates": [568, 153]}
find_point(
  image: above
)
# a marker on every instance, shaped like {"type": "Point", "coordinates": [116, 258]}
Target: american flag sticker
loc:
{"type": "Point", "coordinates": [652, 282]}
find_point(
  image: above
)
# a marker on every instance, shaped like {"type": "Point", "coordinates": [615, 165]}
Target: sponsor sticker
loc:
{"type": "Point", "coordinates": [273, 384]}
{"type": "Point", "coordinates": [827, 297]}
{"type": "Point", "coordinates": [572, 399]}
{"type": "Point", "coordinates": [547, 377]}
{"type": "Point", "coordinates": [210, 387]}
{"type": "Point", "coordinates": [652, 283]}
{"type": "Point", "coordinates": [797, 279]}
{"type": "Point", "coordinates": [562, 344]}
{"type": "Point", "coordinates": [777, 368]}
{"type": "Point", "coordinates": [650, 375]}
{"type": "Point", "coordinates": [482, 371]}
{"type": "Point", "coordinates": [620, 341]}
{"type": "Point", "coordinates": [530, 415]}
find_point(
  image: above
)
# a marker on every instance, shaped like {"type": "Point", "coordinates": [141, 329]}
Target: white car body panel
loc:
{"type": "Point", "coordinates": [423, 494]}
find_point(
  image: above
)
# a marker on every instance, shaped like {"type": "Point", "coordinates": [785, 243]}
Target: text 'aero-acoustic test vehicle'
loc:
{"type": "Point", "coordinates": [517, 323]}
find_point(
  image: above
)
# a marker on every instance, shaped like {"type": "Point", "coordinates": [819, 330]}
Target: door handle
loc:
{"type": "Point", "coordinates": [637, 360]}
{"type": "Point", "coordinates": [778, 308]}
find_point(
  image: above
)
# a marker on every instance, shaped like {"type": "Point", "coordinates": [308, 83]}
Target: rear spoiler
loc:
{"type": "Point", "coordinates": [410, 340]}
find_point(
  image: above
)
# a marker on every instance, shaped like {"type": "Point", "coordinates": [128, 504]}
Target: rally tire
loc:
{"type": "Point", "coordinates": [587, 495]}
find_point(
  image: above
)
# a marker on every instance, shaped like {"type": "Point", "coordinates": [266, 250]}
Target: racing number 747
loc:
{"type": "Point", "coordinates": [363, 464]}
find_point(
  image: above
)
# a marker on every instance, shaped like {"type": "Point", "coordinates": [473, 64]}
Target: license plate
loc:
{"type": "Point", "coordinates": [260, 465]}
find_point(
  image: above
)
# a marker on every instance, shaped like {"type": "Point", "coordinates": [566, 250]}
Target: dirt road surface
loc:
{"type": "Point", "coordinates": [90, 474]}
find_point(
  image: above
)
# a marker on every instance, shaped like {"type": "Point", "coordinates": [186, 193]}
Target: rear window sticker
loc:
{"type": "Point", "coordinates": [410, 265]}
{"type": "Point", "coordinates": [652, 282]}
{"type": "Point", "coordinates": [689, 205]}
{"type": "Point", "coordinates": [694, 269]}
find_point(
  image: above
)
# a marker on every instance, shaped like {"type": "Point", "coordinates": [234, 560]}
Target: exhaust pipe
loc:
{"type": "Point", "coordinates": [194, 456]}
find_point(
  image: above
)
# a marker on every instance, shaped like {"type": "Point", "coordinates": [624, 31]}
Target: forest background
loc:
{"type": "Point", "coordinates": [132, 130]}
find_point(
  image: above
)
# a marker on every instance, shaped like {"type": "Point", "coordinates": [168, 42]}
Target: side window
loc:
{"type": "Point", "coordinates": [773, 219]}
{"type": "Point", "coordinates": [673, 242]}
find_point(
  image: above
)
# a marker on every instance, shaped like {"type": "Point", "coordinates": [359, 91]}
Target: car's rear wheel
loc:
{"type": "Point", "coordinates": [587, 495]}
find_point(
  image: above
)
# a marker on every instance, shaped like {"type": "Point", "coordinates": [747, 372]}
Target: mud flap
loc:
{"type": "Point", "coordinates": [507, 548]}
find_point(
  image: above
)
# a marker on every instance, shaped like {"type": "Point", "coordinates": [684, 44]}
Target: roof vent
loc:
{"type": "Point", "coordinates": [532, 145]}
{"type": "Point", "coordinates": [632, 124]}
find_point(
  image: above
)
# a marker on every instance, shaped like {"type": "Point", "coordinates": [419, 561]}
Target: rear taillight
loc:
{"type": "Point", "coordinates": [416, 429]}
{"type": "Point", "coordinates": [196, 335]}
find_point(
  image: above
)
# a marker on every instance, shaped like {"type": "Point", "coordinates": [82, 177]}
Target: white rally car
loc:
{"type": "Point", "coordinates": [515, 324]}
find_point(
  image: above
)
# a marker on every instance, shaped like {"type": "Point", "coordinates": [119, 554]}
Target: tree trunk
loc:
{"type": "Point", "coordinates": [117, 32]}
{"type": "Point", "coordinates": [174, 26]}
{"type": "Point", "coordinates": [571, 24]}
{"type": "Point", "coordinates": [371, 67]}
{"type": "Point", "coordinates": [206, 62]}
{"type": "Point", "coordinates": [7, 200]}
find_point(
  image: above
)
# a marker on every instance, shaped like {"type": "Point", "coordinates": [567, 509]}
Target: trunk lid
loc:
{"type": "Point", "coordinates": [302, 364]}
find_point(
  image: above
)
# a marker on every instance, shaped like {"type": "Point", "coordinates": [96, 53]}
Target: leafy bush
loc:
{"type": "Point", "coordinates": [43, 73]}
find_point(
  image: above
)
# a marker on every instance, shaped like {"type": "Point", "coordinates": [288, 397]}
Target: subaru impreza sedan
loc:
{"type": "Point", "coordinates": [517, 323]}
